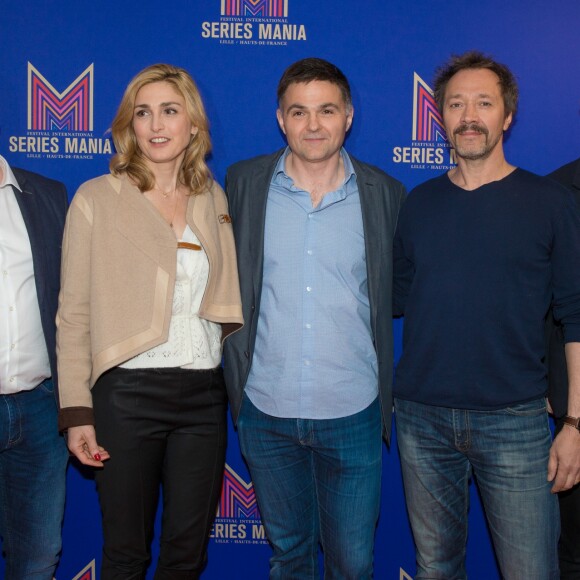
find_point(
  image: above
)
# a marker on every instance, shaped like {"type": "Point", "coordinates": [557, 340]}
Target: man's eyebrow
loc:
{"type": "Point", "coordinates": [459, 95]}
{"type": "Point", "coordinates": [303, 107]}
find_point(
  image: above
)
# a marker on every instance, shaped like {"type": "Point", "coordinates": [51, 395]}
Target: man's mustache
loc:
{"type": "Point", "coordinates": [471, 127]}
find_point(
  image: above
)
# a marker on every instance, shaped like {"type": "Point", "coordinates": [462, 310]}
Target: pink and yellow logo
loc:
{"type": "Point", "coordinates": [427, 122]}
{"type": "Point", "coordinates": [238, 499]}
{"type": "Point", "coordinates": [261, 8]}
{"type": "Point", "coordinates": [51, 110]}
{"type": "Point", "coordinates": [87, 573]}
{"type": "Point", "coordinates": [428, 148]}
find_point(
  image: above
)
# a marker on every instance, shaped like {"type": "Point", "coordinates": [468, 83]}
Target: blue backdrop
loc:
{"type": "Point", "coordinates": [64, 66]}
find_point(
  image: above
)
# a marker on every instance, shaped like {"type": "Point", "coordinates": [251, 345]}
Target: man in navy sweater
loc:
{"type": "Point", "coordinates": [480, 253]}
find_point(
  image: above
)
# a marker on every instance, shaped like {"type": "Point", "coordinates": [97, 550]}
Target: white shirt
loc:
{"type": "Point", "coordinates": [24, 362]}
{"type": "Point", "coordinates": [193, 342]}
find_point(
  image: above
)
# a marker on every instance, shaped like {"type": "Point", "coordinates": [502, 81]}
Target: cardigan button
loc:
{"type": "Point", "coordinates": [247, 353]}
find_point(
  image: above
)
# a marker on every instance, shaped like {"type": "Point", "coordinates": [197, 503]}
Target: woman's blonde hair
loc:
{"type": "Point", "coordinates": [194, 172]}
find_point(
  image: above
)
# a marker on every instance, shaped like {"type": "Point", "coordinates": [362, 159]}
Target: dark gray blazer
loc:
{"type": "Point", "coordinates": [568, 175]}
{"type": "Point", "coordinates": [381, 196]}
{"type": "Point", "coordinates": [43, 203]}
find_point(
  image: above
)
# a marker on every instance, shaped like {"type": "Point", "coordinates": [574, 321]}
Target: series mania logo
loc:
{"type": "Point", "coordinates": [60, 124]}
{"type": "Point", "coordinates": [87, 573]}
{"type": "Point", "coordinates": [257, 22]}
{"type": "Point", "coordinates": [238, 518]}
{"type": "Point", "coordinates": [429, 148]}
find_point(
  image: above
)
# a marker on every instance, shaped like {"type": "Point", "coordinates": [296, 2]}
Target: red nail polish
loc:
{"type": "Point", "coordinates": [97, 456]}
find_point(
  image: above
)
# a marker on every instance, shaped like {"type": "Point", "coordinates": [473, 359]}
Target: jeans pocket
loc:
{"type": "Point", "coordinates": [529, 409]}
{"type": "Point", "coordinates": [47, 386]}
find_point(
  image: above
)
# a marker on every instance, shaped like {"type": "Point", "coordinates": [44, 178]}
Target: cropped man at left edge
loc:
{"type": "Point", "coordinates": [33, 456]}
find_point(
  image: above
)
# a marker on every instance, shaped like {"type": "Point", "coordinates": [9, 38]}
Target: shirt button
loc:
{"type": "Point", "coordinates": [309, 252]}
{"type": "Point", "coordinates": [12, 346]}
{"type": "Point", "coordinates": [308, 325]}
{"type": "Point", "coordinates": [307, 363]}
{"type": "Point", "coordinates": [308, 289]}
{"type": "Point", "coordinates": [11, 308]}
{"type": "Point", "coordinates": [11, 379]}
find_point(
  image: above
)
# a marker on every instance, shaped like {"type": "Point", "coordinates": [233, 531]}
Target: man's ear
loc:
{"type": "Point", "coordinates": [507, 122]}
{"type": "Point", "coordinates": [349, 116]}
{"type": "Point", "coordinates": [280, 118]}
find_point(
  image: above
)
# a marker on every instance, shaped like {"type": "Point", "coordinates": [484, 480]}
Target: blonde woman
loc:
{"type": "Point", "coordinates": [149, 292]}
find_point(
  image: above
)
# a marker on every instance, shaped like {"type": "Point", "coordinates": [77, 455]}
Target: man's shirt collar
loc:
{"type": "Point", "coordinates": [8, 177]}
{"type": "Point", "coordinates": [280, 176]}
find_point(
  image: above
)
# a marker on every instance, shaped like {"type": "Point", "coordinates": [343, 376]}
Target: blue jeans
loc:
{"type": "Point", "coordinates": [507, 450]}
{"type": "Point", "coordinates": [316, 481]}
{"type": "Point", "coordinates": [33, 459]}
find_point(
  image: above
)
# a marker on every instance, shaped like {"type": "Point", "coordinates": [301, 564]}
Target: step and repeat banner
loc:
{"type": "Point", "coordinates": [63, 69]}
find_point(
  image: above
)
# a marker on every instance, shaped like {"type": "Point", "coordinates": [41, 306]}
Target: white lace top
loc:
{"type": "Point", "coordinates": [193, 343]}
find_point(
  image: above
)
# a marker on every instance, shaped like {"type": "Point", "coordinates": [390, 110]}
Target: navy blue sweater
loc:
{"type": "Point", "coordinates": [475, 273]}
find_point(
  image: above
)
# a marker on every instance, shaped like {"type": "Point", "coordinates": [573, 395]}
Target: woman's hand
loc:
{"type": "Point", "coordinates": [82, 443]}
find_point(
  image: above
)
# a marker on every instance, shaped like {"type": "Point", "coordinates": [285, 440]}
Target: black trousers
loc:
{"type": "Point", "coordinates": [569, 546]}
{"type": "Point", "coordinates": [165, 429]}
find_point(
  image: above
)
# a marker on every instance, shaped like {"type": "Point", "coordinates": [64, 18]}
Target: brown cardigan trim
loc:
{"type": "Point", "coordinates": [75, 417]}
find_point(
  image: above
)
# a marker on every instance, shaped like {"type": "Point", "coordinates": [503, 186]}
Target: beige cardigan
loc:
{"type": "Point", "coordinates": [118, 273]}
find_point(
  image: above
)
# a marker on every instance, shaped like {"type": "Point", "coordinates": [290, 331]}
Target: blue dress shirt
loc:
{"type": "Point", "coordinates": [314, 356]}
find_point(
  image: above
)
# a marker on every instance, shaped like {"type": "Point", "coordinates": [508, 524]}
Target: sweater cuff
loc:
{"type": "Point", "coordinates": [572, 332]}
{"type": "Point", "coordinates": [75, 417]}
